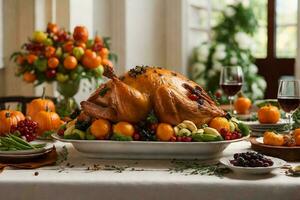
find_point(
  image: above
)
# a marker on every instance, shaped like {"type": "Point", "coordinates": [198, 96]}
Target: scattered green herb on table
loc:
{"type": "Point", "coordinates": [195, 168]}
{"type": "Point", "coordinates": [62, 155]}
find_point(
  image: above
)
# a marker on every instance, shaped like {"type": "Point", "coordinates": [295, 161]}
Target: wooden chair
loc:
{"type": "Point", "coordinates": [22, 100]}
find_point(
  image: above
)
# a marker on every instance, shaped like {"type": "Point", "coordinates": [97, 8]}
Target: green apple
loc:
{"type": "Point", "coordinates": [58, 52]}
{"type": "Point", "coordinates": [39, 36]}
{"type": "Point", "coordinates": [48, 42]}
{"type": "Point", "coordinates": [78, 52]}
{"type": "Point", "coordinates": [41, 64]}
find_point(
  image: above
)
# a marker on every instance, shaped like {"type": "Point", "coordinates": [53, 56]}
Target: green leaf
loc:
{"type": "Point", "coordinates": [120, 137]}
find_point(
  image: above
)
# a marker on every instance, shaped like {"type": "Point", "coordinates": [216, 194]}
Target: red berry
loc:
{"type": "Point", "coordinates": [227, 137]}
{"type": "Point", "coordinates": [193, 97]}
{"type": "Point", "coordinates": [188, 139]}
{"type": "Point", "coordinates": [51, 73]}
{"type": "Point", "coordinates": [179, 139]}
{"type": "Point", "coordinates": [136, 136]}
{"type": "Point", "coordinates": [60, 132]}
{"type": "Point", "coordinates": [154, 126]}
{"type": "Point", "coordinates": [173, 139]}
{"type": "Point", "coordinates": [27, 128]}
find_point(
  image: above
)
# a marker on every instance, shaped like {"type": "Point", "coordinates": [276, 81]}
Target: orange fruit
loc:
{"type": "Point", "coordinates": [98, 39]}
{"type": "Point", "coordinates": [53, 62]}
{"type": "Point", "coordinates": [49, 51]}
{"type": "Point", "coordinates": [52, 28]}
{"type": "Point", "coordinates": [104, 53]}
{"type": "Point", "coordinates": [68, 46]}
{"type": "Point", "coordinates": [31, 58]}
{"type": "Point", "coordinates": [106, 62]}
{"type": "Point", "coordinates": [164, 132]}
{"type": "Point", "coordinates": [100, 128]}
{"type": "Point", "coordinates": [242, 105]}
{"type": "Point", "coordinates": [80, 33]}
{"type": "Point", "coordinates": [219, 123]}
{"type": "Point", "coordinates": [297, 132]}
{"type": "Point", "coordinates": [80, 44]}
{"type": "Point", "coordinates": [29, 77]}
{"type": "Point", "coordinates": [268, 114]}
{"type": "Point", "coordinates": [20, 60]}
{"type": "Point", "coordinates": [90, 59]}
{"type": "Point", "coordinates": [297, 140]}
{"type": "Point", "coordinates": [123, 128]}
{"type": "Point", "coordinates": [271, 138]}
{"type": "Point", "coordinates": [70, 62]}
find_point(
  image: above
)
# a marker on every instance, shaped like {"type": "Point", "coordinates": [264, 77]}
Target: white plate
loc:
{"type": "Point", "coordinates": [149, 149]}
{"type": "Point", "coordinates": [258, 126]}
{"type": "Point", "coordinates": [30, 151]}
{"type": "Point", "coordinates": [23, 156]}
{"type": "Point", "coordinates": [253, 170]}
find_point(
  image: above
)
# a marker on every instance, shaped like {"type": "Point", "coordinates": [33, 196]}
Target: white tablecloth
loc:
{"type": "Point", "coordinates": [155, 182]}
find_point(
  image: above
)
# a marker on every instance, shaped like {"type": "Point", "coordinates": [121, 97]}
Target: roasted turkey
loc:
{"type": "Point", "coordinates": [172, 96]}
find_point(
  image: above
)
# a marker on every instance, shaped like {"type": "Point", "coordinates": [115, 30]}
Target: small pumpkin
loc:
{"type": "Point", "coordinates": [268, 114]}
{"type": "Point", "coordinates": [9, 118]}
{"type": "Point", "coordinates": [47, 121]}
{"type": "Point", "coordinates": [242, 104]}
{"type": "Point", "coordinates": [271, 138]}
{"type": "Point", "coordinates": [39, 104]}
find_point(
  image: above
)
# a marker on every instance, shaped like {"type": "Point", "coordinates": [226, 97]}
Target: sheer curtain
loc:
{"type": "Point", "coordinates": [297, 67]}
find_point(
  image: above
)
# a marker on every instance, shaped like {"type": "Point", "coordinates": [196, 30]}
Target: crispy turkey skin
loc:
{"type": "Point", "coordinates": [172, 96]}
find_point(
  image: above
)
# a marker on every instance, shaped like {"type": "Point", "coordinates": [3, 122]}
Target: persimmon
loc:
{"type": "Point", "coordinates": [124, 128]}
{"type": "Point", "coordinates": [106, 62]}
{"type": "Point", "coordinates": [68, 46]}
{"type": "Point", "coordinates": [52, 28]}
{"type": "Point", "coordinates": [268, 114]}
{"type": "Point", "coordinates": [49, 51]}
{"type": "Point", "coordinates": [219, 123]}
{"type": "Point", "coordinates": [100, 128]}
{"type": "Point", "coordinates": [31, 58]}
{"type": "Point", "coordinates": [271, 138]}
{"type": "Point", "coordinates": [296, 132]}
{"type": "Point", "coordinates": [80, 33]}
{"type": "Point", "coordinates": [164, 132]}
{"type": "Point", "coordinates": [242, 105]}
{"type": "Point", "coordinates": [70, 62]}
{"type": "Point", "coordinates": [53, 63]}
{"type": "Point", "coordinates": [29, 77]}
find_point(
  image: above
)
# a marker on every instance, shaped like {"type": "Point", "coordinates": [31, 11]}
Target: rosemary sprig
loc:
{"type": "Point", "coordinates": [195, 168]}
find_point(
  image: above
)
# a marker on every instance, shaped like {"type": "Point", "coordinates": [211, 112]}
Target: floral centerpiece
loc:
{"type": "Point", "coordinates": [56, 55]}
{"type": "Point", "coordinates": [231, 45]}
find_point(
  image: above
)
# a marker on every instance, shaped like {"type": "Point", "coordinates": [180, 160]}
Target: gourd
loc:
{"type": "Point", "coordinates": [47, 121]}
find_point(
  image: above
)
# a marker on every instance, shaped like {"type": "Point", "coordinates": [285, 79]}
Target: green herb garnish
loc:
{"type": "Point", "coordinates": [120, 137]}
{"type": "Point", "coordinates": [103, 91]}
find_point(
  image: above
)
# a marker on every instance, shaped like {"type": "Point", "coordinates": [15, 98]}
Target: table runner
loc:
{"type": "Point", "coordinates": [78, 178]}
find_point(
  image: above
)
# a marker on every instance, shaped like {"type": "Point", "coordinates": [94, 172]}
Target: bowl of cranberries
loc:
{"type": "Point", "coordinates": [252, 163]}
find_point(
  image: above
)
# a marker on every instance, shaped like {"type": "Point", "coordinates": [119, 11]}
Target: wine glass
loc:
{"type": "Point", "coordinates": [231, 81]}
{"type": "Point", "coordinates": [289, 97]}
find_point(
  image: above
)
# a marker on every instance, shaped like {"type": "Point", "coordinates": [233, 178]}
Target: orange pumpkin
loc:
{"type": "Point", "coordinates": [268, 114]}
{"type": "Point", "coordinates": [271, 138]}
{"type": "Point", "coordinates": [47, 121]}
{"type": "Point", "coordinates": [242, 105]}
{"type": "Point", "coordinates": [39, 104]}
{"type": "Point", "coordinates": [9, 118]}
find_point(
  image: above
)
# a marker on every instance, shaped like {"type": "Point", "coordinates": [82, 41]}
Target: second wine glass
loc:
{"type": "Point", "coordinates": [231, 81]}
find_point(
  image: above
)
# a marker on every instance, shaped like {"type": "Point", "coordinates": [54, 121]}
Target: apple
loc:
{"type": "Point", "coordinates": [78, 52]}
{"type": "Point", "coordinates": [39, 36]}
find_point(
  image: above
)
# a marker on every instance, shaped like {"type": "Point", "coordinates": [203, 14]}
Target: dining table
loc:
{"type": "Point", "coordinates": [76, 177]}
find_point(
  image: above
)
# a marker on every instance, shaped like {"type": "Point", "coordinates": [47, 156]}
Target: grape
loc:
{"type": "Point", "coordinates": [251, 159]}
{"type": "Point", "coordinates": [27, 128]}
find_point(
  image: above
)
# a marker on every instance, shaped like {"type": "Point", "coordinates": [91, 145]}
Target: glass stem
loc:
{"type": "Point", "coordinates": [231, 104]}
{"type": "Point", "coordinates": [289, 115]}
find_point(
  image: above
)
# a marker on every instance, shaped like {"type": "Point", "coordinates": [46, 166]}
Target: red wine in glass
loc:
{"type": "Point", "coordinates": [289, 104]}
{"type": "Point", "coordinates": [231, 89]}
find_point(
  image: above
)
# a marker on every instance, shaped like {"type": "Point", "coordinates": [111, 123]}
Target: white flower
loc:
{"type": "Point", "coordinates": [211, 73]}
{"type": "Point", "coordinates": [197, 69]}
{"type": "Point", "coordinates": [261, 83]}
{"type": "Point", "coordinates": [202, 53]}
{"type": "Point", "coordinates": [230, 2]}
{"type": "Point", "coordinates": [219, 53]}
{"type": "Point", "coordinates": [252, 47]}
{"type": "Point", "coordinates": [256, 91]}
{"type": "Point", "coordinates": [201, 82]}
{"type": "Point", "coordinates": [233, 60]}
{"type": "Point", "coordinates": [253, 69]}
{"type": "Point", "coordinates": [220, 47]}
{"type": "Point", "coordinates": [217, 66]}
{"type": "Point", "coordinates": [243, 40]}
{"type": "Point", "coordinates": [245, 3]}
{"type": "Point", "coordinates": [229, 11]}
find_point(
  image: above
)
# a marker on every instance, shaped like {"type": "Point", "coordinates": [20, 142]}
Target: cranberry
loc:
{"type": "Point", "coordinates": [227, 137]}
{"type": "Point", "coordinates": [61, 132]}
{"type": "Point", "coordinates": [193, 97]}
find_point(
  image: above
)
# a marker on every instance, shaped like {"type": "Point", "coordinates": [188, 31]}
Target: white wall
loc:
{"type": "Point", "coordinates": [145, 33]}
